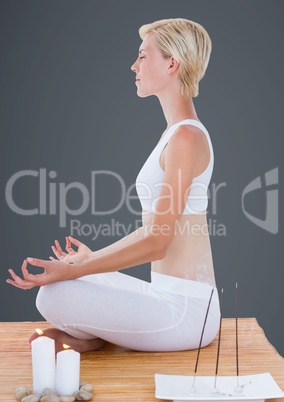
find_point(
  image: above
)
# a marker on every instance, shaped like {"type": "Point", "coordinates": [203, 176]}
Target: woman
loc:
{"type": "Point", "coordinates": [81, 293]}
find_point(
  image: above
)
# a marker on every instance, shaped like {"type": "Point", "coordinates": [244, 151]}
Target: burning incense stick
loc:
{"type": "Point", "coordinates": [237, 343]}
{"type": "Point", "coordinates": [201, 337]}
{"type": "Point", "coordinates": [237, 388]}
{"type": "Point", "coordinates": [219, 342]}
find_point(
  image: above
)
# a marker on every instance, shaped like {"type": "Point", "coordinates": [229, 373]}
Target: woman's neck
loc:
{"type": "Point", "coordinates": [177, 108]}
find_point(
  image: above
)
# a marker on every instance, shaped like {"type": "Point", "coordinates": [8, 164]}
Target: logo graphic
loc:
{"type": "Point", "coordinates": [270, 223]}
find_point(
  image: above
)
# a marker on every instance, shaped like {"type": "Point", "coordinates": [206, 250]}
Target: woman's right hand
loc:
{"type": "Point", "coordinates": [83, 252]}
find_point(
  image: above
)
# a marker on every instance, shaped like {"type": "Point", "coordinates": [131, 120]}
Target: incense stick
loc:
{"type": "Point", "coordinates": [237, 388]}
{"type": "Point", "coordinates": [237, 341]}
{"type": "Point", "coordinates": [219, 339]}
{"type": "Point", "coordinates": [201, 338]}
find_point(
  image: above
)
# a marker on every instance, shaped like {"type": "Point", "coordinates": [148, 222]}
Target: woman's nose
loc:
{"type": "Point", "coordinates": [133, 67]}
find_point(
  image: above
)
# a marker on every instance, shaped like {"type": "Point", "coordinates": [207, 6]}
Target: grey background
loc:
{"type": "Point", "coordinates": [69, 105]}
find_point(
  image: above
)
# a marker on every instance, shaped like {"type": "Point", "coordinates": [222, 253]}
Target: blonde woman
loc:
{"type": "Point", "coordinates": [82, 293]}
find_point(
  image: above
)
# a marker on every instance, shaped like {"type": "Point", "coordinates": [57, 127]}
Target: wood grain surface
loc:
{"type": "Point", "coordinates": [119, 374]}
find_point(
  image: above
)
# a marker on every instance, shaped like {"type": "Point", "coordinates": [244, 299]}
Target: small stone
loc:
{"type": "Point", "coordinates": [48, 391]}
{"type": "Point", "coordinates": [21, 392]}
{"type": "Point", "coordinates": [50, 398]}
{"type": "Point", "coordinates": [87, 387]}
{"type": "Point", "coordinates": [83, 396]}
{"type": "Point", "coordinates": [67, 398]}
{"type": "Point", "coordinates": [31, 398]}
{"type": "Point", "coordinates": [82, 383]}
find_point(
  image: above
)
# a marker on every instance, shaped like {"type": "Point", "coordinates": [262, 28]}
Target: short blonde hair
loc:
{"type": "Point", "coordinates": [189, 43]}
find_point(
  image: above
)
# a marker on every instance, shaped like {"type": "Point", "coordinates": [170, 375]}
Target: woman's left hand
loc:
{"type": "Point", "coordinates": [82, 254]}
{"type": "Point", "coordinates": [54, 271]}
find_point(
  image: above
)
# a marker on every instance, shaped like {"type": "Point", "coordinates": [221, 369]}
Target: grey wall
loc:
{"type": "Point", "coordinates": [69, 105]}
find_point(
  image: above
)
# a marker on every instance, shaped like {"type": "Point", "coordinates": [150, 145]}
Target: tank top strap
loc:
{"type": "Point", "coordinates": [172, 129]}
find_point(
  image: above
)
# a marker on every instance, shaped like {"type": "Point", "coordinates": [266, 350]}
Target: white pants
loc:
{"type": "Point", "coordinates": [164, 315]}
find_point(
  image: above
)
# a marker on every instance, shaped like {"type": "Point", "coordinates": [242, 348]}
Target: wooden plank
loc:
{"type": "Point", "coordinates": [119, 374]}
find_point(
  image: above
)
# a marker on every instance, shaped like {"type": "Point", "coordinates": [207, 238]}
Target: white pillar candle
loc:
{"type": "Point", "coordinates": [67, 372]}
{"type": "Point", "coordinates": [43, 363]}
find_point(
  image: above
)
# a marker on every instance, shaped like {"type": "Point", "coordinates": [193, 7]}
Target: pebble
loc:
{"type": "Point", "coordinates": [21, 392]}
{"type": "Point", "coordinates": [50, 398]}
{"type": "Point", "coordinates": [48, 391]}
{"type": "Point", "coordinates": [83, 396]}
{"type": "Point", "coordinates": [87, 387]}
{"type": "Point", "coordinates": [85, 393]}
{"type": "Point", "coordinates": [31, 398]}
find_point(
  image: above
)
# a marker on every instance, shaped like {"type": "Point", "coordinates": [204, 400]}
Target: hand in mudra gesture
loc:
{"type": "Point", "coordinates": [54, 270]}
{"type": "Point", "coordinates": [82, 254]}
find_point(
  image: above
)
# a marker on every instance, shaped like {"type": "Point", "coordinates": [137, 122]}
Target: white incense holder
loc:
{"type": "Point", "coordinates": [257, 388]}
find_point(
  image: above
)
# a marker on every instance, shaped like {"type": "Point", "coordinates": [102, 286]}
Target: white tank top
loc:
{"type": "Point", "coordinates": [149, 181]}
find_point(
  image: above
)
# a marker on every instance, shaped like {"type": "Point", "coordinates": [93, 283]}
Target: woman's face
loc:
{"type": "Point", "coordinates": [151, 68]}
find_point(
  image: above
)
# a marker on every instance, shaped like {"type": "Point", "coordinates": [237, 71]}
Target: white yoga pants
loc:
{"type": "Point", "coordinates": [164, 315]}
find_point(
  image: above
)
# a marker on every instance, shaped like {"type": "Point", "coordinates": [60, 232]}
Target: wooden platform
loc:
{"type": "Point", "coordinates": [120, 375]}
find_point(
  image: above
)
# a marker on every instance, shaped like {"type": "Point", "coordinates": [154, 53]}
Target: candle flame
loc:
{"type": "Point", "coordinates": [39, 331]}
{"type": "Point", "coordinates": [66, 346]}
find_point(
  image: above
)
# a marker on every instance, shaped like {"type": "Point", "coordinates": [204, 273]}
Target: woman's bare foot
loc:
{"type": "Point", "coordinates": [60, 337]}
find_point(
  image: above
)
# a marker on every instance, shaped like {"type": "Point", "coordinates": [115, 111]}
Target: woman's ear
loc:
{"type": "Point", "coordinates": [174, 64]}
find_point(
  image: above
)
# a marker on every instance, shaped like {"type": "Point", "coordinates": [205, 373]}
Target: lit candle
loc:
{"type": "Point", "coordinates": [67, 371]}
{"type": "Point", "coordinates": [43, 363]}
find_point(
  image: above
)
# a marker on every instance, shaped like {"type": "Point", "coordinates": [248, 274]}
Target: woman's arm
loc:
{"type": "Point", "coordinates": [181, 162]}
{"type": "Point", "coordinates": [140, 247]}
{"type": "Point", "coordinates": [127, 240]}
{"type": "Point", "coordinates": [182, 159]}
{"type": "Point", "coordinates": [142, 243]}
{"type": "Point", "coordinates": [85, 253]}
